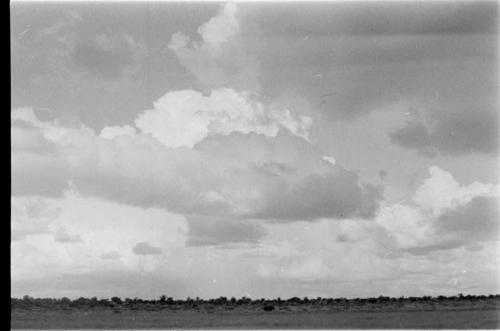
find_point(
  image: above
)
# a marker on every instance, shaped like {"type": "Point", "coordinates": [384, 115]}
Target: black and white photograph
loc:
{"type": "Point", "coordinates": [254, 165]}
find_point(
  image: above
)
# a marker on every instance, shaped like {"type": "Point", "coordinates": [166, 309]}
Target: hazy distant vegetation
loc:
{"type": "Point", "coordinates": [165, 302]}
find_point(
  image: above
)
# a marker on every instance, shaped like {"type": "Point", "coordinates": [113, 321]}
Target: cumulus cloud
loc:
{"type": "Point", "coordinates": [441, 191]}
{"type": "Point", "coordinates": [145, 248]}
{"type": "Point", "coordinates": [224, 154]}
{"type": "Point", "coordinates": [237, 168]}
{"type": "Point", "coordinates": [451, 133]}
{"type": "Point", "coordinates": [183, 118]}
{"type": "Point", "coordinates": [399, 241]}
{"type": "Point", "coordinates": [443, 215]}
{"type": "Point", "coordinates": [238, 175]}
{"type": "Point", "coordinates": [220, 59]}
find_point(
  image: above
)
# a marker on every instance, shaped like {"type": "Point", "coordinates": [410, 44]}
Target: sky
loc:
{"type": "Point", "coordinates": [333, 149]}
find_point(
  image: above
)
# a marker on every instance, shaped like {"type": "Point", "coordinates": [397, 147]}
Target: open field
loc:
{"type": "Point", "coordinates": [461, 315]}
{"type": "Point", "coordinates": [447, 319]}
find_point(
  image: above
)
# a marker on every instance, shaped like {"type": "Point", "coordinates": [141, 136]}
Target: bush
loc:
{"type": "Point", "coordinates": [268, 308]}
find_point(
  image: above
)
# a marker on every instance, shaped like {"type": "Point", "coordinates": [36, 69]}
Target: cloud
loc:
{"type": "Point", "coordinates": [111, 255]}
{"type": "Point", "coordinates": [62, 236]}
{"type": "Point", "coordinates": [59, 30]}
{"type": "Point", "coordinates": [107, 55]}
{"type": "Point", "coordinates": [406, 241]}
{"type": "Point", "coordinates": [323, 250]}
{"type": "Point", "coordinates": [111, 132]}
{"type": "Point", "coordinates": [301, 257]}
{"type": "Point", "coordinates": [373, 20]}
{"type": "Point", "coordinates": [205, 231]}
{"type": "Point", "coordinates": [224, 153]}
{"type": "Point", "coordinates": [96, 221]}
{"type": "Point", "coordinates": [329, 159]}
{"type": "Point", "coordinates": [467, 225]}
{"type": "Point", "coordinates": [280, 177]}
{"type": "Point", "coordinates": [145, 248]}
{"type": "Point", "coordinates": [442, 215]}
{"type": "Point", "coordinates": [478, 220]}
{"type": "Point", "coordinates": [441, 191]}
{"type": "Point", "coordinates": [335, 196]}
{"type": "Point", "coordinates": [451, 133]}
{"type": "Point", "coordinates": [293, 180]}
{"type": "Point", "coordinates": [220, 59]}
{"type": "Point", "coordinates": [31, 216]}
{"type": "Point", "coordinates": [343, 238]}
{"type": "Point", "coordinates": [66, 49]}
{"type": "Point", "coordinates": [391, 59]}
{"type": "Point", "coordinates": [183, 118]}
{"type": "Point", "coordinates": [444, 245]}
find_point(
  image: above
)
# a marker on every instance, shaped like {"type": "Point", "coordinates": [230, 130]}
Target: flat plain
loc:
{"type": "Point", "coordinates": [446, 315]}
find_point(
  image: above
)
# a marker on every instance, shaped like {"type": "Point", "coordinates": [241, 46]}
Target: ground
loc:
{"type": "Point", "coordinates": [448, 315]}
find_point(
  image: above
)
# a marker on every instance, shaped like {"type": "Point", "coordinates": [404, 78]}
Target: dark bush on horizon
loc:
{"type": "Point", "coordinates": [268, 308]}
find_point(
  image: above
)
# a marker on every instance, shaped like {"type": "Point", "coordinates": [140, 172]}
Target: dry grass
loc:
{"type": "Point", "coordinates": [448, 318]}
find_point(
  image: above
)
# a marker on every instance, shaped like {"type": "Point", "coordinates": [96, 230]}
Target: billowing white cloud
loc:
{"type": "Point", "coordinates": [220, 28]}
{"type": "Point", "coordinates": [441, 191]}
{"type": "Point", "coordinates": [220, 59]}
{"type": "Point", "coordinates": [402, 251]}
{"type": "Point", "coordinates": [443, 215]}
{"type": "Point", "coordinates": [238, 174]}
{"type": "Point", "coordinates": [183, 118]}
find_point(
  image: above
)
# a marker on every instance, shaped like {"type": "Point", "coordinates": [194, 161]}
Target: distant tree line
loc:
{"type": "Point", "coordinates": [28, 302]}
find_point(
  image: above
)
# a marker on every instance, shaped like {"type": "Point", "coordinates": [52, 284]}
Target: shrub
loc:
{"type": "Point", "coordinates": [268, 308]}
